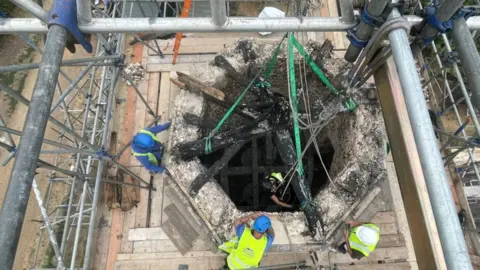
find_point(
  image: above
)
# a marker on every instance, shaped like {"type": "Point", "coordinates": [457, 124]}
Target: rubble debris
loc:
{"type": "Point", "coordinates": [133, 73]}
{"type": "Point", "coordinates": [357, 139]}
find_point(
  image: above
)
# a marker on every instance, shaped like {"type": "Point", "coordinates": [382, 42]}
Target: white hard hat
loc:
{"type": "Point", "coordinates": [367, 235]}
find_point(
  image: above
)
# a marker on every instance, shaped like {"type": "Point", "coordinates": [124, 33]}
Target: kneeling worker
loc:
{"type": "Point", "coordinates": [250, 244]}
{"type": "Point", "coordinates": [360, 240]}
{"type": "Point", "coordinates": [147, 148]}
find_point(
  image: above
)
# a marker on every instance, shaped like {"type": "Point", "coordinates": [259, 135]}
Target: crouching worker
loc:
{"type": "Point", "coordinates": [147, 148]}
{"type": "Point", "coordinates": [247, 248]}
{"type": "Point", "coordinates": [360, 240]}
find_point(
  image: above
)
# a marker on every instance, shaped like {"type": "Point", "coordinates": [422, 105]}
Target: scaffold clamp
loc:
{"type": "Point", "coordinates": [64, 13]}
{"type": "Point", "coordinates": [369, 19]}
{"type": "Point", "coordinates": [465, 12]}
{"type": "Point", "coordinates": [442, 27]}
{"type": "Point", "coordinates": [354, 40]}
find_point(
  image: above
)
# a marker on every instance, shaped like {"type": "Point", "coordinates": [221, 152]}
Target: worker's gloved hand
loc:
{"type": "Point", "coordinates": [167, 124]}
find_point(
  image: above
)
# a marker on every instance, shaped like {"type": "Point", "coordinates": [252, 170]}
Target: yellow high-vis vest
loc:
{"type": "Point", "coordinates": [151, 157]}
{"type": "Point", "coordinates": [356, 244]}
{"type": "Point", "coordinates": [248, 253]}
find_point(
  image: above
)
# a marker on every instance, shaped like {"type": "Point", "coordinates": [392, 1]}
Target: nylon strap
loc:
{"type": "Point", "coordinates": [293, 93]}
{"type": "Point", "coordinates": [314, 67]}
{"type": "Point", "coordinates": [271, 65]}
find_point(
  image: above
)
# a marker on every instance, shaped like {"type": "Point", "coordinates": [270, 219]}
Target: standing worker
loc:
{"type": "Point", "coordinates": [147, 148]}
{"type": "Point", "coordinates": [247, 248]}
{"type": "Point", "coordinates": [360, 240]}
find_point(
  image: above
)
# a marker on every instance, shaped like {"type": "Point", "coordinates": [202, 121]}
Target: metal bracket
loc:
{"type": "Point", "coordinates": [442, 27]}
{"type": "Point", "coordinates": [450, 57]}
{"type": "Point", "coordinates": [64, 13]}
{"type": "Point", "coordinates": [465, 12]}
{"type": "Point", "coordinates": [369, 19]}
{"type": "Point", "coordinates": [352, 37]}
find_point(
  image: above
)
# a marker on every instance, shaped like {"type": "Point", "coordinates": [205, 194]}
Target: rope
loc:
{"type": "Point", "coordinates": [362, 65]}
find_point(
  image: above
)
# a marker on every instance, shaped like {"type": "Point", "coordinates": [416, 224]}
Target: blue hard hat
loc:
{"type": "Point", "coordinates": [262, 224]}
{"type": "Point", "coordinates": [143, 140]}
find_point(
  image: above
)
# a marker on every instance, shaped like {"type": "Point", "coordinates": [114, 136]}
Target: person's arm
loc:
{"type": "Point", "coordinates": [245, 219]}
{"type": "Point", "coordinates": [271, 232]}
{"type": "Point", "coordinates": [270, 238]}
{"type": "Point", "coordinates": [159, 128]}
{"type": "Point", "coordinates": [355, 223]}
{"type": "Point", "coordinates": [150, 166]}
{"type": "Point", "coordinates": [347, 241]}
{"type": "Point", "coordinates": [280, 203]}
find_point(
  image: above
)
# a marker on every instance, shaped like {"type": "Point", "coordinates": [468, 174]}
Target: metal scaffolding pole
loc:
{"type": "Point", "coordinates": [70, 62]}
{"type": "Point", "coordinates": [79, 226]}
{"type": "Point", "coordinates": [155, 25]}
{"type": "Point", "coordinates": [364, 31]}
{"type": "Point", "coordinates": [467, 51]}
{"type": "Point", "coordinates": [32, 8]}
{"type": "Point", "coordinates": [46, 219]}
{"type": "Point", "coordinates": [346, 8]}
{"type": "Point", "coordinates": [17, 195]}
{"type": "Point", "coordinates": [450, 232]}
{"type": "Point", "coordinates": [84, 11]}
{"type": "Point", "coordinates": [219, 12]}
{"type": "Point", "coordinates": [98, 184]}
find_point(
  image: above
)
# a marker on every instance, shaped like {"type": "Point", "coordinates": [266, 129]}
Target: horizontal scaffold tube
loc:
{"type": "Point", "coordinates": [234, 24]}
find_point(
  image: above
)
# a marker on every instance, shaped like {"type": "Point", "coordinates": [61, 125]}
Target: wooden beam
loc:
{"type": "Point", "coordinates": [420, 218]}
{"type": "Point", "coordinates": [203, 178]}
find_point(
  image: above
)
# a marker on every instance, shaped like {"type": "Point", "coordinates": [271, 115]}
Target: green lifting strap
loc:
{"type": "Point", "coordinates": [349, 103]}
{"type": "Point", "coordinates": [293, 96]}
{"type": "Point", "coordinates": [314, 67]}
{"type": "Point", "coordinates": [271, 65]}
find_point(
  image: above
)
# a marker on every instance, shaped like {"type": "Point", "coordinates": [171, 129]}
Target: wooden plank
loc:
{"type": "Point", "coordinates": [199, 48]}
{"type": "Point", "coordinates": [128, 223]}
{"type": "Point", "coordinates": [140, 123]}
{"type": "Point", "coordinates": [166, 255]}
{"type": "Point", "coordinates": [337, 36]}
{"type": "Point", "coordinates": [183, 67]}
{"type": "Point", "coordinates": [164, 102]}
{"type": "Point", "coordinates": [182, 225]}
{"type": "Point", "coordinates": [384, 217]}
{"type": "Point", "coordinates": [115, 239]}
{"type": "Point", "coordinates": [143, 234]}
{"type": "Point", "coordinates": [189, 58]}
{"type": "Point", "coordinates": [103, 237]}
{"type": "Point", "coordinates": [394, 253]}
{"type": "Point", "coordinates": [176, 236]}
{"type": "Point", "coordinates": [392, 240]}
{"type": "Point", "coordinates": [325, 12]}
{"type": "Point", "coordinates": [154, 246]}
{"type": "Point", "coordinates": [158, 182]}
{"type": "Point", "coordinates": [377, 266]}
{"type": "Point", "coordinates": [219, 43]}
{"type": "Point", "coordinates": [118, 235]}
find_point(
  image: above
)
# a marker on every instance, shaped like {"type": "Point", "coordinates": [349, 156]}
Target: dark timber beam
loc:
{"type": "Point", "coordinates": [203, 178]}
{"type": "Point", "coordinates": [286, 149]}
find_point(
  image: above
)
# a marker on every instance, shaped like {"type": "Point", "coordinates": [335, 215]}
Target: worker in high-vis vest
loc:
{"type": "Point", "coordinates": [147, 148]}
{"type": "Point", "coordinates": [360, 240]}
{"type": "Point", "coordinates": [247, 248]}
